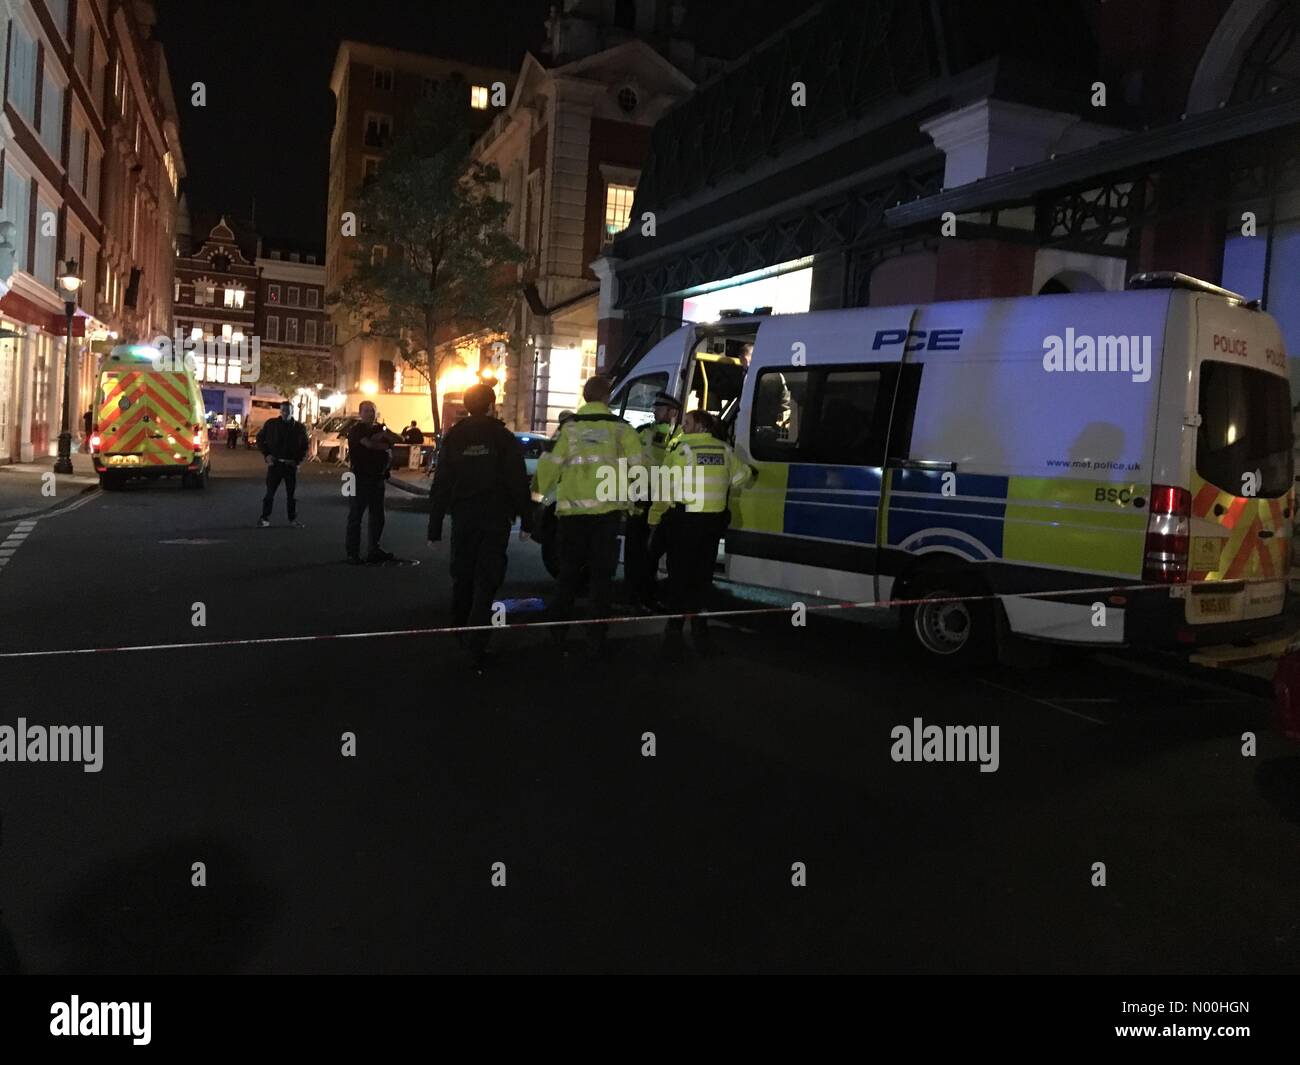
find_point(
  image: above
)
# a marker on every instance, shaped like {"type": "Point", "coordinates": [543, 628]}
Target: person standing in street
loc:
{"type": "Point", "coordinates": [692, 526]}
{"type": "Point", "coordinates": [641, 552]}
{"type": "Point", "coordinates": [283, 443]}
{"type": "Point", "coordinates": [368, 452]}
{"type": "Point", "coordinates": [483, 484]}
{"type": "Point", "coordinates": [579, 469]}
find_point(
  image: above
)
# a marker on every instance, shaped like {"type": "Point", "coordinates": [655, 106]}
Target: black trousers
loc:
{"type": "Point", "coordinates": [275, 473]}
{"type": "Point", "coordinates": [369, 499]}
{"type": "Point", "coordinates": [587, 542]}
{"type": "Point", "coordinates": [692, 541]}
{"type": "Point", "coordinates": [643, 547]}
{"type": "Point", "coordinates": [478, 568]}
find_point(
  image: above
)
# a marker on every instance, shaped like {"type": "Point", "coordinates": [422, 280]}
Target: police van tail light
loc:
{"type": "Point", "coordinates": [95, 442]}
{"type": "Point", "coordinates": [198, 436]}
{"type": "Point", "coordinates": [1168, 535]}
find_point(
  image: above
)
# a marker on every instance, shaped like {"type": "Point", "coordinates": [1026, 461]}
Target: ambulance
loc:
{"type": "Point", "coordinates": [1110, 468]}
{"type": "Point", "coordinates": [149, 420]}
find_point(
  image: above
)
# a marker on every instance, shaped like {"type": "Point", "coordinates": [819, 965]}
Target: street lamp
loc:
{"type": "Point", "coordinates": [69, 282]}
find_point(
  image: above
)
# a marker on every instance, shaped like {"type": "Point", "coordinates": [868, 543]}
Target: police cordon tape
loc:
{"type": "Point", "coordinates": [619, 619]}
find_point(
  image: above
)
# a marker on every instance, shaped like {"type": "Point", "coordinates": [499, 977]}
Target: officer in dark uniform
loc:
{"type": "Point", "coordinates": [642, 550]}
{"type": "Point", "coordinates": [283, 442]}
{"type": "Point", "coordinates": [482, 482]}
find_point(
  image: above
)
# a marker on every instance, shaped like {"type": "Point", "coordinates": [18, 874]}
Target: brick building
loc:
{"type": "Point", "coordinates": [291, 319]}
{"type": "Point", "coordinates": [91, 164]}
{"type": "Point", "coordinates": [374, 88]}
{"type": "Point", "coordinates": [215, 294]}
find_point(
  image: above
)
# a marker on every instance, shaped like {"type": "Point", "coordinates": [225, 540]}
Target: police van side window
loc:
{"type": "Point", "coordinates": [780, 398]}
{"type": "Point", "coordinates": [827, 416]}
{"type": "Point", "coordinates": [638, 402]}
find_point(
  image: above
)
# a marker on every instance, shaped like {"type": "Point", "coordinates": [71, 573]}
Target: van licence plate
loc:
{"type": "Point", "coordinates": [124, 460]}
{"type": "Point", "coordinates": [1213, 607]}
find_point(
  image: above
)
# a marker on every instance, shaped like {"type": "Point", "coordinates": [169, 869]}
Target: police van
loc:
{"type": "Point", "coordinates": [1100, 468]}
{"type": "Point", "coordinates": [149, 420]}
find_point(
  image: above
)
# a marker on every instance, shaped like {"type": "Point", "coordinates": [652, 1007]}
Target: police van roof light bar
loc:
{"type": "Point", "coordinates": [1174, 279]}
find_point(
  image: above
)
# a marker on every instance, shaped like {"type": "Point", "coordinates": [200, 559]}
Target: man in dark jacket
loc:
{"type": "Point", "coordinates": [283, 442]}
{"type": "Point", "coordinates": [483, 484]}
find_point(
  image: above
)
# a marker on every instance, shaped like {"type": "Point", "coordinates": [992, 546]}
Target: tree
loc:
{"type": "Point", "coordinates": [286, 371]}
{"type": "Point", "coordinates": [432, 261]}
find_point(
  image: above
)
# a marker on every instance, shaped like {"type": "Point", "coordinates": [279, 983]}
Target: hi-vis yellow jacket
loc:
{"type": "Point", "coordinates": [710, 469]}
{"type": "Point", "coordinates": [584, 463]}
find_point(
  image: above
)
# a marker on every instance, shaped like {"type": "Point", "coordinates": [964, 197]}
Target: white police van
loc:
{"type": "Point", "coordinates": [1100, 468]}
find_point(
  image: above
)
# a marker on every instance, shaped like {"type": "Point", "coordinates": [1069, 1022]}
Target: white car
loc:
{"type": "Point", "coordinates": [329, 440]}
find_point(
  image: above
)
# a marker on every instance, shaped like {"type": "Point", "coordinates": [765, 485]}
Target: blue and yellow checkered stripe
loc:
{"type": "Point", "coordinates": [1058, 522]}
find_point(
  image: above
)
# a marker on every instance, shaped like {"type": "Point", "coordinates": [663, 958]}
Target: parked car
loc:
{"type": "Point", "coordinates": [329, 440]}
{"type": "Point", "coordinates": [535, 445]}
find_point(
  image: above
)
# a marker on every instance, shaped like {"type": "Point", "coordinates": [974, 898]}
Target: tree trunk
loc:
{"type": "Point", "coordinates": [430, 326]}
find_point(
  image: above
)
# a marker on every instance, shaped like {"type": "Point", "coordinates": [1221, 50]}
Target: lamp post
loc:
{"type": "Point", "coordinates": [69, 282]}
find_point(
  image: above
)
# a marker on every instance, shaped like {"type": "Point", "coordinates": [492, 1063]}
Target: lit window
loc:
{"type": "Point", "coordinates": [227, 330]}
{"type": "Point", "coordinates": [235, 297]}
{"type": "Point", "coordinates": [273, 294]}
{"type": "Point", "coordinates": [618, 208]}
{"type": "Point", "coordinates": [478, 97]}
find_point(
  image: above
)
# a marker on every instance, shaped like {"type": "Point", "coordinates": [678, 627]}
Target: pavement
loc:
{"type": "Point", "coordinates": [28, 489]}
{"type": "Point", "coordinates": [356, 802]}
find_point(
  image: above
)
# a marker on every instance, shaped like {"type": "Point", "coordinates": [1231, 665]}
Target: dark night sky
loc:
{"type": "Point", "coordinates": [266, 64]}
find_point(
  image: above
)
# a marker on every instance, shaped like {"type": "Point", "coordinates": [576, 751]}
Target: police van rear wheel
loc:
{"type": "Point", "coordinates": [950, 627]}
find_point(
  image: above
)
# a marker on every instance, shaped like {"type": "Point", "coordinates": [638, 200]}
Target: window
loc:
{"type": "Point", "coordinates": [52, 117]}
{"type": "Point", "coordinates": [627, 100]}
{"type": "Point", "coordinates": [637, 407]}
{"type": "Point", "coordinates": [272, 293]}
{"type": "Point", "coordinates": [311, 259]}
{"type": "Point", "coordinates": [204, 293]}
{"type": "Point", "coordinates": [618, 208]}
{"type": "Point", "coordinates": [17, 208]}
{"type": "Point", "coordinates": [235, 298]}
{"type": "Point", "coordinates": [291, 330]}
{"type": "Point", "coordinates": [44, 270]}
{"type": "Point", "coordinates": [313, 297]}
{"type": "Point", "coordinates": [478, 97]}
{"type": "Point", "coordinates": [376, 255]}
{"type": "Point", "coordinates": [292, 298]}
{"type": "Point", "coordinates": [22, 71]}
{"type": "Point", "coordinates": [383, 79]}
{"type": "Point", "coordinates": [1245, 427]}
{"type": "Point", "coordinates": [176, 291]}
{"type": "Point", "coordinates": [77, 157]}
{"type": "Point", "coordinates": [378, 129]}
{"type": "Point", "coordinates": [227, 331]}
{"type": "Point", "coordinates": [92, 176]}
{"type": "Point", "coordinates": [369, 167]}
{"type": "Point", "coordinates": [85, 48]}
{"type": "Point", "coordinates": [836, 416]}
{"type": "Point", "coordinates": [272, 327]}
{"type": "Point", "coordinates": [309, 331]}
{"type": "Point", "coordinates": [59, 12]}
{"type": "Point", "coordinates": [780, 398]}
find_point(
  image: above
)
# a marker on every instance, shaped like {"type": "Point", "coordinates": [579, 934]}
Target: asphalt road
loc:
{"type": "Point", "coordinates": [774, 752]}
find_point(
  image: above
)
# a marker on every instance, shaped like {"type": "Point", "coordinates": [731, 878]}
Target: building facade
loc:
{"type": "Point", "coordinates": [216, 300]}
{"type": "Point", "coordinates": [972, 150]}
{"type": "Point", "coordinates": [569, 149]}
{"type": "Point", "coordinates": [291, 321]}
{"type": "Point", "coordinates": [374, 89]}
{"type": "Point", "coordinates": [91, 164]}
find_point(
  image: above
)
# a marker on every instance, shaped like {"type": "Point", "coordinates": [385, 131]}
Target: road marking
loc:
{"type": "Point", "coordinates": [1044, 702]}
{"type": "Point", "coordinates": [15, 540]}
